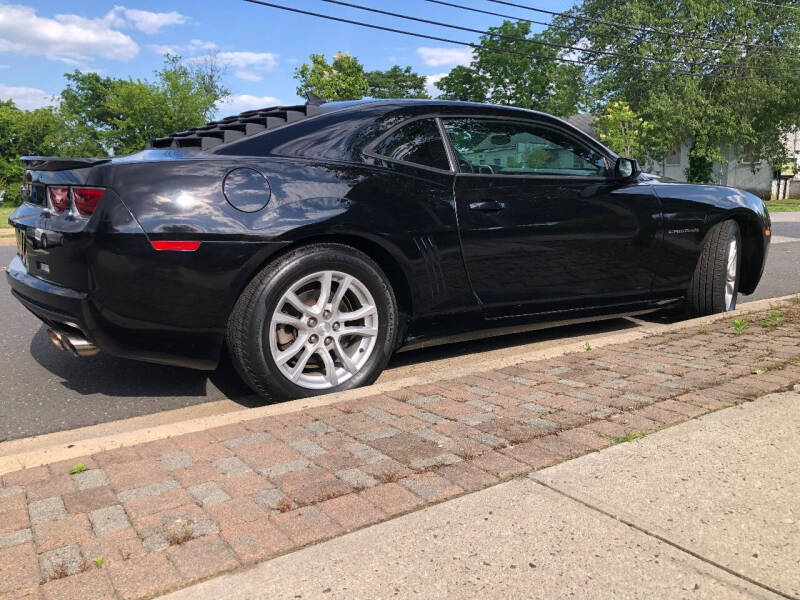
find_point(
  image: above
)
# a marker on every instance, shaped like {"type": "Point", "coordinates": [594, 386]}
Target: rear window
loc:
{"type": "Point", "coordinates": [417, 142]}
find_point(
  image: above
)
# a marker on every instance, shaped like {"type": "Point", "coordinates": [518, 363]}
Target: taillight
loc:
{"type": "Point", "coordinates": [59, 198]}
{"type": "Point", "coordinates": [86, 199]}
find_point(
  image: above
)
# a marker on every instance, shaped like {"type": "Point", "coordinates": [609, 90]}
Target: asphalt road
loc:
{"type": "Point", "coordinates": [43, 390]}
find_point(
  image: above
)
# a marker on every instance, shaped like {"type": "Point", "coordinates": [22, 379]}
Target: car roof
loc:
{"type": "Point", "coordinates": [437, 104]}
{"type": "Point", "coordinates": [251, 122]}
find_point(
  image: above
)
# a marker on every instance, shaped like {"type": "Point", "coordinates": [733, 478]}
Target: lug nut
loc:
{"type": "Point", "coordinates": [326, 314]}
{"type": "Point", "coordinates": [336, 326]}
{"type": "Point", "coordinates": [313, 338]}
{"type": "Point", "coordinates": [328, 341]}
{"type": "Point", "coordinates": [312, 322]}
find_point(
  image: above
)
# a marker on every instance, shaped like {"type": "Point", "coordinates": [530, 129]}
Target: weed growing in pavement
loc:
{"type": "Point", "coordinates": [179, 532]}
{"type": "Point", "coordinates": [633, 435]}
{"type": "Point", "coordinates": [98, 562]}
{"type": "Point", "coordinates": [389, 476]}
{"type": "Point", "coordinates": [739, 325]}
{"type": "Point", "coordinates": [773, 319]}
{"type": "Point", "coordinates": [285, 505]}
{"type": "Point", "coordinates": [760, 371]}
{"type": "Point", "coordinates": [587, 346]}
{"type": "Point", "coordinates": [702, 329]}
{"type": "Point", "coordinates": [468, 453]}
{"type": "Point", "coordinates": [520, 437]}
{"type": "Point", "coordinates": [59, 571]}
{"type": "Point", "coordinates": [79, 468]}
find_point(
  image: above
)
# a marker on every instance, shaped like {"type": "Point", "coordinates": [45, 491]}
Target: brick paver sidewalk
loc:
{"type": "Point", "coordinates": [143, 520]}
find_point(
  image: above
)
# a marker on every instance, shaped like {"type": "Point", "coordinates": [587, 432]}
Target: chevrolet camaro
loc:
{"type": "Point", "coordinates": [311, 242]}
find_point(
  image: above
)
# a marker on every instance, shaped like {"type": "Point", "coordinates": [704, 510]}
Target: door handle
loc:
{"type": "Point", "coordinates": [487, 205]}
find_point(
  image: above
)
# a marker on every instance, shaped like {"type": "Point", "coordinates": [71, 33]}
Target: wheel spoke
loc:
{"type": "Point", "coordinates": [291, 351]}
{"type": "Point", "coordinates": [359, 313]}
{"type": "Point", "coordinates": [324, 291]}
{"type": "Point", "coordinates": [301, 364]}
{"type": "Point", "coordinates": [358, 330]}
{"type": "Point", "coordinates": [347, 363]}
{"type": "Point", "coordinates": [284, 319]}
{"type": "Point", "coordinates": [298, 304]}
{"type": "Point", "coordinates": [330, 368]}
{"type": "Point", "coordinates": [340, 291]}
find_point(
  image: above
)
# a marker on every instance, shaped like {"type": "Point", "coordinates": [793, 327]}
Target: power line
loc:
{"type": "Point", "coordinates": [634, 27]}
{"type": "Point", "coordinates": [534, 22]}
{"type": "Point", "coordinates": [556, 45]}
{"type": "Point", "coordinates": [477, 46]}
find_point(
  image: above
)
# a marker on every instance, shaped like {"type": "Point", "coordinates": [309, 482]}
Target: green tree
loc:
{"type": "Point", "coordinates": [396, 82]}
{"type": "Point", "coordinates": [516, 70]}
{"type": "Point", "coordinates": [24, 132]}
{"type": "Point", "coordinates": [85, 112]}
{"type": "Point", "coordinates": [341, 79]}
{"type": "Point", "coordinates": [709, 93]}
{"type": "Point", "coordinates": [623, 130]}
{"type": "Point", "coordinates": [119, 116]}
{"type": "Point", "coordinates": [463, 83]}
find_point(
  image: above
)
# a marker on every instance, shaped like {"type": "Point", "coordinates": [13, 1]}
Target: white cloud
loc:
{"type": "Point", "coordinates": [151, 22]}
{"type": "Point", "coordinates": [247, 75]}
{"type": "Point", "coordinates": [27, 98]}
{"type": "Point", "coordinates": [430, 84]}
{"type": "Point", "coordinates": [166, 49]}
{"type": "Point", "coordinates": [236, 103]}
{"type": "Point", "coordinates": [266, 61]}
{"type": "Point", "coordinates": [196, 45]}
{"type": "Point", "coordinates": [249, 66]}
{"type": "Point", "coordinates": [67, 38]}
{"type": "Point", "coordinates": [191, 49]}
{"type": "Point", "coordinates": [438, 57]}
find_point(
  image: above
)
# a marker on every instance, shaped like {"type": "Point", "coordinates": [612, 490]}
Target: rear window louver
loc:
{"type": "Point", "coordinates": [238, 126]}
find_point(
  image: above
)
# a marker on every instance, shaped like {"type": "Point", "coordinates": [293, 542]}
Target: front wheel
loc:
{"type": "Point", "coordinates": [714, 287]}
{"type": "Point", "coordinates": [321, 319]}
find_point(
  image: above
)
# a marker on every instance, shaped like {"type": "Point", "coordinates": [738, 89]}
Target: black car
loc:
{"type": "Point", "coordinates": [313, 241]}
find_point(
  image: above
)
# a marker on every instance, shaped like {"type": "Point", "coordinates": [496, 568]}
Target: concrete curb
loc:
{"type": "Point", "coordinates": [65, 451]}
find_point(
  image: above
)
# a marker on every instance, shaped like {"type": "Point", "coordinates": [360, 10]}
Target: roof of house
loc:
{"type": "Point", "coordinates": [584, 123]}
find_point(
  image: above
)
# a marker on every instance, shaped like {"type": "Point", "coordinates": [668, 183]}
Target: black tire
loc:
{"type": "Point", "coordinates": [249, 321]}
{"type": "Point", "coordinates": [706, 294]}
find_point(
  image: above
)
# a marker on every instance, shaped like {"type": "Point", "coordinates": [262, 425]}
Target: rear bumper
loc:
{"type": "Point", "coordinates": [67, 309]}
{"type": "Point", "coordinates": [53, 304]}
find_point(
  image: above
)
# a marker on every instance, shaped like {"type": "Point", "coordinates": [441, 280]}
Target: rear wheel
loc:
{"type": "Point", "coordinates": [321, 319]}
{"type": "Point", "coordinates": [714, 287]}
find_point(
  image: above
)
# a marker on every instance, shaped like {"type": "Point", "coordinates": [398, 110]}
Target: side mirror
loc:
{"type": "Point", "coordinates": [626, 168]}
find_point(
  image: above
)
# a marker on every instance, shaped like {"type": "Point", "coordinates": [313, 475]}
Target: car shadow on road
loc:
{"type": "Point", "coordinates": [111, 376]}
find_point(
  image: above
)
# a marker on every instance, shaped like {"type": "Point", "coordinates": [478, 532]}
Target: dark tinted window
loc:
{"type": "Point", "coordinates": [417, 142]}
{"type": "Point", "coordinates": [499, 147]}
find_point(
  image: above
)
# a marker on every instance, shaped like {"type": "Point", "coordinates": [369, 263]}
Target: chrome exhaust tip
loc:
{"type": "Point", "coordinates": [55, 337]}
{"type": "Point", "coordinates": [75, 344]}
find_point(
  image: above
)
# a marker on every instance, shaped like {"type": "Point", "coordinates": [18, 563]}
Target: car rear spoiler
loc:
{"type": "Point", "coordinates": [56, 163]}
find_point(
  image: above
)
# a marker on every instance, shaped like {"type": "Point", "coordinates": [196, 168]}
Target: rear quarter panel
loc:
{"type": "Point", "coordinates": [410, 216]}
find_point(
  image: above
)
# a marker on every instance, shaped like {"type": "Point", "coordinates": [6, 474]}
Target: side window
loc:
{"type": "Point", "coordinates": [515, 148]}
{"type": "Point", "coordinates": [417, 142]}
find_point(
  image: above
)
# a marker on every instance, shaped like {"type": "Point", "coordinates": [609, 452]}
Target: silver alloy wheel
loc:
{"type": "Point", "coordinates": [323, 330]}
{"type": "Point", "coordinates": [730, 275]}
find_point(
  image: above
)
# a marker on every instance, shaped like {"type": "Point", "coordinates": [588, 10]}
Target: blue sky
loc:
{"type": "Point", "coordinates": [261, 46]}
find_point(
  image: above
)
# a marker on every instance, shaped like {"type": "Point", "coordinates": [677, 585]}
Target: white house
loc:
{"type": "Point", "coordinates": [739, 172]}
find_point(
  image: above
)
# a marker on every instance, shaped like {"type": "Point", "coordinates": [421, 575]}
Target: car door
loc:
{"type": "Point", "coordinates": [544, 226]}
